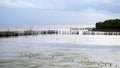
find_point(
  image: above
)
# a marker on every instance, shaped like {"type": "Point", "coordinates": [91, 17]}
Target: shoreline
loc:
{"type": "Point", "coordinates": [71, 31]}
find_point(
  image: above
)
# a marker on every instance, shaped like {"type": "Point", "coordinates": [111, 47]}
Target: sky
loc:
{"type": "Point", "coordinates": [49, 12]}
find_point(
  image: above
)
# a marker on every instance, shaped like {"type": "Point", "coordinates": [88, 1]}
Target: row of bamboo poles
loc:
{"type": "Point", "coordinates": [99, 33]}
{"type": "Point", "coordinates": [71, 31]}
{"type": "Point", "coordinates": [40, 32]}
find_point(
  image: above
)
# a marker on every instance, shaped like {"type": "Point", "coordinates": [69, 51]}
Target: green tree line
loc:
{"type": "Point", "coordinates": [109, 24]}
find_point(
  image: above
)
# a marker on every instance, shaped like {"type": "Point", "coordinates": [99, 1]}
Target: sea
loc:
{"type": "Point", "coordinates": [59, 50]}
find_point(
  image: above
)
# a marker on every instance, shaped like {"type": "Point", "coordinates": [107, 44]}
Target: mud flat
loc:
{"type": "Point", "coordinates": [62, 58]}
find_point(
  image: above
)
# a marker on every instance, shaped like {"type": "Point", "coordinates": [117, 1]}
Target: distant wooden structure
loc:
{"type": "Point", "coordinates": [71, 31]}
{"type": "Point", "coordinates": [99, 33]}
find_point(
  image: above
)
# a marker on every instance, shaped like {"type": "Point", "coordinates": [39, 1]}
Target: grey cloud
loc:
{"type": "Point", "coordinates": [72, 5]}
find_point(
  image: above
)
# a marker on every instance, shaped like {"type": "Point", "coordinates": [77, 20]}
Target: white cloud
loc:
{"type": "Point", "coordinates": [56, 14]}
{"type": "Point", "coordinates": [93, 16]}
{"type": "Point", "coordinates": [52, 4]}
{"type": "Point", "coordinates": [17, 3]}
{"type": "Point", "coordinates": [87, 16]}
{"type": "Point", "coordinates": [62, 4]}
{"type": "Point", "coordinates": [110, 2]}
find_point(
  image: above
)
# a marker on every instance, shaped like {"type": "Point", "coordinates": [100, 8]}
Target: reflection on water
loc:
{"type": "Point", "coordinates": [49, 52]}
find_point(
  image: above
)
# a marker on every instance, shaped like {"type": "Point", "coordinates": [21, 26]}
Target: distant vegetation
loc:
{"type": "Point", "coordinates": [109, 24]}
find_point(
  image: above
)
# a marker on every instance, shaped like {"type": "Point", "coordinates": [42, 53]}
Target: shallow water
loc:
{"type": "Point", "coordinates": [60, 51]}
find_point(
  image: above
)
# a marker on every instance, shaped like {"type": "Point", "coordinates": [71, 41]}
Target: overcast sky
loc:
{"type": "Point", "coordinates": [58, 11]}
